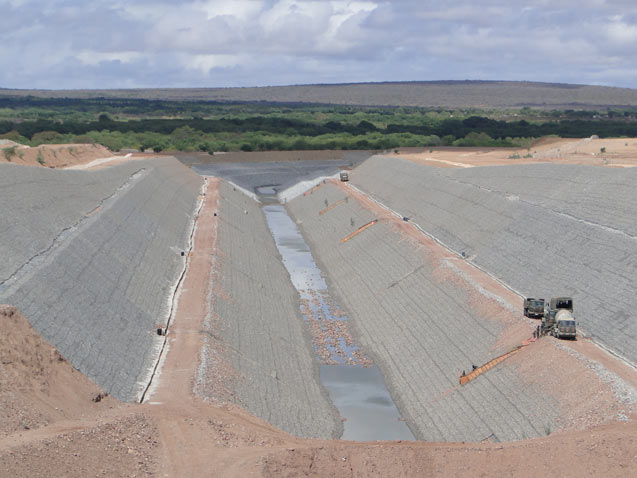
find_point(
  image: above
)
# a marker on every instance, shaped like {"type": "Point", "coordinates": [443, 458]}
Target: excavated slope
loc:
{"type": "Point", "coordinates": [93, 259]}
{"type": "Point", "coordinates": [546, 230]}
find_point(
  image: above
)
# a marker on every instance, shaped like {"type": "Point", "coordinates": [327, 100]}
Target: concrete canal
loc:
{"type": "Point", "coordinates": [356, 387]}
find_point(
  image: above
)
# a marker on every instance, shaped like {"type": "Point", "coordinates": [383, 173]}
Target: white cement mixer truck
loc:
{"type": "Point", "coordinates": [558, 320]}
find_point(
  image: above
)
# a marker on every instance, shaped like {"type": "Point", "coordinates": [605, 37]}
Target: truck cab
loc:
{"type": "Point", "coordinates": [534, 307]}
{"type": "Point", "coordinates": [561, 303]}
{"type": "Point", "coordinates": [558, 318]}
{"type": "Point", "coordinates": [565, 326]}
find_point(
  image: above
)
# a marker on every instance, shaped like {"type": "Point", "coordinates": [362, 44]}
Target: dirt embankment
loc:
{"type": "Point", "coordinates": [52, 155]}
{"type": "Point", "coordinates": [608, 152]}
{"type": "Point", "coordinates": [37, 385]}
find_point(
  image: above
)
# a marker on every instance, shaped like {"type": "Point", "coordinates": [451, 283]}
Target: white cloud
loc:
{"type": "Point", "coordinates": [261, 42]}
{"type": "Point", "coordinates": [91, 57]}
{"type": "Point", "coordinates": [205, 63]}
{"type": "Point", "coordinates": [242, 9]}
{"type": "Point", "coordinates": [620, 32]}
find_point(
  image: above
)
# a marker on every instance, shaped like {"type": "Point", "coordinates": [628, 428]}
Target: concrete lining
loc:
{"type": "Point", "coordinates": [39, 203]}
{"type": "Point", "coordinates": [256, 313]}
{"type": "Point", "coordinates": [546, 230]}
{"type": "Point", "coordinates": [108, 252]}
{"type": "Point", "coordinates": [420, 328]}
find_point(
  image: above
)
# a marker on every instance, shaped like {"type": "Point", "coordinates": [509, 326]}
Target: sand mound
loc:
{"type": "Point", "coordinates": [52, 155]}
{"type": "Point", "coordinates": [37, 385]}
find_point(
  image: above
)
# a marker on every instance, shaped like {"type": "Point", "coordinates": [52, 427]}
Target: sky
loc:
{"type": "Point", "coordinates": [68, 44]}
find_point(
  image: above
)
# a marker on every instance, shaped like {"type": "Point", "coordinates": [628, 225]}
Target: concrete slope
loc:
{"type": "Point", "coordinates": [256, 312]}
{"type": "Point", "coordinates": [39, 203]}
{"type": "Point", "coordinates": [105, 278]}
{"type": "Point", "coordinates": [568, 231]}
{"type": "Point", "coordinates": [421, 325]}
{"type": "Point", "coordinates": [603, 197]}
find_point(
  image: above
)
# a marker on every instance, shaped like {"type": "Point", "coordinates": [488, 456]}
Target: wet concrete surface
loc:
{"type": "Point", "coordinates": [361, 396]}
{"type": "Point", "coordinates": [355, 386]}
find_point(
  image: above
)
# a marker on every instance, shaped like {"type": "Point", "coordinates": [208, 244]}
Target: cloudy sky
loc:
{"type": "Point", "coordinates": [209, 43]}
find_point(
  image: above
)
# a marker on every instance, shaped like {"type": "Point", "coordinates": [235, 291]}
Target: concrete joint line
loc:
{"type": "Point", "coordinates": [245, 192]}
{"type": "Point", "coordinates": [176, 290]}
{"type": "Point", "coordinates": [63, 238]}
{"type": "Point", "coordinates": [479, 288]}
{"type": "Point", "coordinates": [409, 274]}
{"type": "Point", "coordinates": [438, 241]}
{"type": "Point", "coordinates": [549, 210]}
{"type": "Point", "coordinates": [611, 351]}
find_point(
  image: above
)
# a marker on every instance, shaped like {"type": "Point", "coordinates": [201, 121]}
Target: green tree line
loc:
{"type": "Point", "coordinates": [255, 127]}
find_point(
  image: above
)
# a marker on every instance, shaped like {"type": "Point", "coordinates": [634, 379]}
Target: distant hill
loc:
{"type": "Point", "coordinates": [449, 94]}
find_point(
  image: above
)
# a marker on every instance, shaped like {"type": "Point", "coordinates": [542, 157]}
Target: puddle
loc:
{"type": "Point", "coordinates": [361, 396]}
{"type": "Point", "coordinates": [267, 191]}
{"type": "Point", "coordinates": [355, 386]}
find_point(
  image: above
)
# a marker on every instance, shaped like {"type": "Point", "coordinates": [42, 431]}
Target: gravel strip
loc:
{"type": "Point", "coordinates": [623, 391]}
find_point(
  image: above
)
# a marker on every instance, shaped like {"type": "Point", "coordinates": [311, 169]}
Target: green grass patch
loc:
{"type": "Point", "coordinates": [9, 152]}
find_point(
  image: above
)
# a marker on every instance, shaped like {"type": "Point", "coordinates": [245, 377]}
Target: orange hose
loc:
{"type": "Point", "coordinates": [492, 363]}
{"type": "Point", "coordinates": [306, 193]}
{"type": "Point", "coordinates": [360, 229]}
{"type": "Point", "coordinates": [331, 207]}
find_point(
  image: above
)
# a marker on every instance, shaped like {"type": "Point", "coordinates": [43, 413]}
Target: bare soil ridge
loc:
{"type": "Point", "coordinates": [52, 155]}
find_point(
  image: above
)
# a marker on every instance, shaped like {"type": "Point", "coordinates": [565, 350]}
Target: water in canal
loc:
{"type": "Point", "coordinates": [355, 386]}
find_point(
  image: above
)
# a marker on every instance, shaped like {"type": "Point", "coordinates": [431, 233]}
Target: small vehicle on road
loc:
{"type": "Point", "coordinates": [344, 176]}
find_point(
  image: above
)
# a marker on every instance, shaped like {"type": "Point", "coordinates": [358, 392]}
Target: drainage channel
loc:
{"type": "Point", "coordinates": [356, 387]}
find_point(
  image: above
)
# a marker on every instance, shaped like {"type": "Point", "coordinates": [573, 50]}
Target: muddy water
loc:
{"type": "Point", "coordinates": [357, 388]}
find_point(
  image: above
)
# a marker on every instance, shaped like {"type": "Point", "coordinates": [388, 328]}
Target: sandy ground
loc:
{"type": "Point", "coordinates": [618, 152]}
{"type": "Point", "coordinates": [50, 424]}
{"type": "Point", "coordinates": [53, 155]}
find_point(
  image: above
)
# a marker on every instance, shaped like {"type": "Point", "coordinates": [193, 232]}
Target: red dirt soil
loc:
{"type": "Point", "coordinates": [37, 386]}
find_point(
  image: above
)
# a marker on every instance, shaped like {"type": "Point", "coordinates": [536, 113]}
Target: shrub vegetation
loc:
{"type": "Point", "coordinates": [210, 127]}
